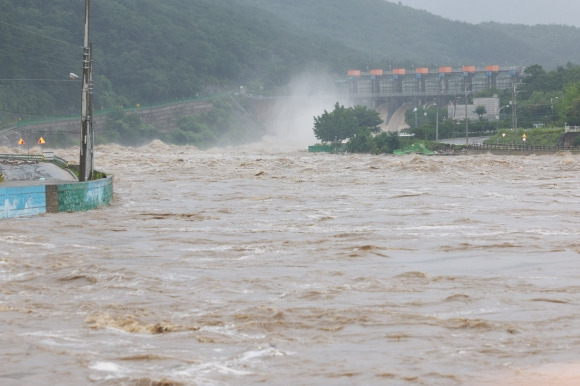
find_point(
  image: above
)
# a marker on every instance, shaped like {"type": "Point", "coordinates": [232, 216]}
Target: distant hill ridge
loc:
{"type": "Point", "coordinates": [398, 33]}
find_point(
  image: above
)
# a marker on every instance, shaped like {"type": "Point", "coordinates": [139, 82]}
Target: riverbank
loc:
{"type": "Point", "coordinates": [31, 186]}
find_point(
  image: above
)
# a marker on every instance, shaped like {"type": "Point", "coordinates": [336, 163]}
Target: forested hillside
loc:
{"type": "Point", "coordinates": [148, 51]}
{"type": "Point", "coordinates": [151, 51]}
{"type": "Point", "coordinates": [548, 45]}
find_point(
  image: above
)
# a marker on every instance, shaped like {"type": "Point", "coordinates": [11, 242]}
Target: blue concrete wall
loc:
{"type": "Point", "coordinates": [18, 201]}
{"type": "Point", "coordinates": [22, 201]}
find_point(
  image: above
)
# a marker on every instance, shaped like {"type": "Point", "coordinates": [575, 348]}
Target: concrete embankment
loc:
{"type": "Point", "coordinates": [34, 188]}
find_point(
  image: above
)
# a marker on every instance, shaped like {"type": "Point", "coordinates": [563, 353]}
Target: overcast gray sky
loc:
{"type": "Point", "coordinates": [530, 12]}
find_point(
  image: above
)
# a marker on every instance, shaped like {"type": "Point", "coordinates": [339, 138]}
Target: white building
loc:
{"type": "Point", "coordinates": [457, 112]}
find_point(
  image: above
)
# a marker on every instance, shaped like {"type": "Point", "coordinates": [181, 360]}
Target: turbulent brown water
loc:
{"type": "Point", "coordinates": [252, 266]}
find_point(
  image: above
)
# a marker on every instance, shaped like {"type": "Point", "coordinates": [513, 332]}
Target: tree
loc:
{"type": "Point", "coordinates": [386, 142]}
{"type": "Point", "coordinates": [345, 123]}
{"type": "Point", "coordinates": [367, 119]}
{"type": "Point", "coordinates": [480, 111]}
{"type": "Point", "coordinates": [333, 126]}
{"type": "Point", "coordinates": [573, 111]}
{"type": "Point", "coordinates": [569, 107]}
{"type": "Point", "coordinates": [127, 129]}
{"type": "Point", "coordinates": [362, 142]}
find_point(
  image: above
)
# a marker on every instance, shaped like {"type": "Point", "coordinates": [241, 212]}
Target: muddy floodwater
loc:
{"type": "Point", "coordinates": [255, 266]}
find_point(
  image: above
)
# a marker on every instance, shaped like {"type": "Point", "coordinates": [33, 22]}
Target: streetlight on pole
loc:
{"type": "Point", "coordinates": [466, 121]}
{"type": "Point", "coordinates": [437, 119]}
{"type": "Point", "coordinates": [497, 123]}
{"type": "Point", "coordinates": [436, 123]}
{"type": "Point", "coordinates": [552, 108]}
{"type": "Point", "coordinates": [437, 112]}
{"type": "Point", "coordinates": [514, 104]}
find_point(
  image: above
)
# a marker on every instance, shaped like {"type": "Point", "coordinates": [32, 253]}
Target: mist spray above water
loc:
{"type": "Point", "coordinates": [291, 120]}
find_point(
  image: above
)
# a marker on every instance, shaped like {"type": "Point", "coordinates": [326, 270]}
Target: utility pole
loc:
{"type": "Point", "coordinates": [87, 133]}
{"type": "Point", "coordinates": [437, 112]}
{"type": "Point", "coordinates": [466, 121]}
{"type": "Point", "coordinates": [514, 104]}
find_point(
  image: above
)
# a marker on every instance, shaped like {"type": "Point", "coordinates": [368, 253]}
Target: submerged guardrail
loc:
{"type": "Point", "coordinates": [523, 148]}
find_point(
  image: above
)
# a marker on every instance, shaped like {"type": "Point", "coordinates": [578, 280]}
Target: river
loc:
{"type": "Point", "coordinates": [259, 265]}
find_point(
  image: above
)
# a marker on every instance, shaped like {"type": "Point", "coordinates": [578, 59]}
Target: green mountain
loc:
{"type": "Point", "coordinates": [151, 51]}
{"type": "Point", "coordinates": [148, 51]}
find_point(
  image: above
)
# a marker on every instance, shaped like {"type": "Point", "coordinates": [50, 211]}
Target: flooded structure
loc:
{"type": "Point", "coordinates": [31, 185]}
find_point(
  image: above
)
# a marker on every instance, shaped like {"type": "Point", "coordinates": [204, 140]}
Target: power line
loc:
{"type": "Point", "coordinates": [32, 42]}
{"type": "Point", "coordinates": [39, 34]}
{"type": "Point", "coordinates": [19, 49]}
{"type": "Point", "coordinates": [39, 80]}
{"type": "Point", "coordinates": [37, 58]}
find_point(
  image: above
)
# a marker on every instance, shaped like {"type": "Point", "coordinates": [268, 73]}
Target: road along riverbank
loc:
{"type": "Point", "coordinates": [31, 186]}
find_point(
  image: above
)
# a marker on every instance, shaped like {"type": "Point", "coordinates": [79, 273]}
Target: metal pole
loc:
{"type": "Point", "coordinates": [466, 123]}
{"type": "Point", "coordinates": [416, 122]}
{"type": "Point", "coordinates": [86, 151]}
{"type": "Point", "coordinates": [515, 107]}
{"type": "Point", "coordinates": [437, 121]}
{"type": "Point", "coordinates": [91, 129]}
{"type": "Point", "coordinates": [497, 128]}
